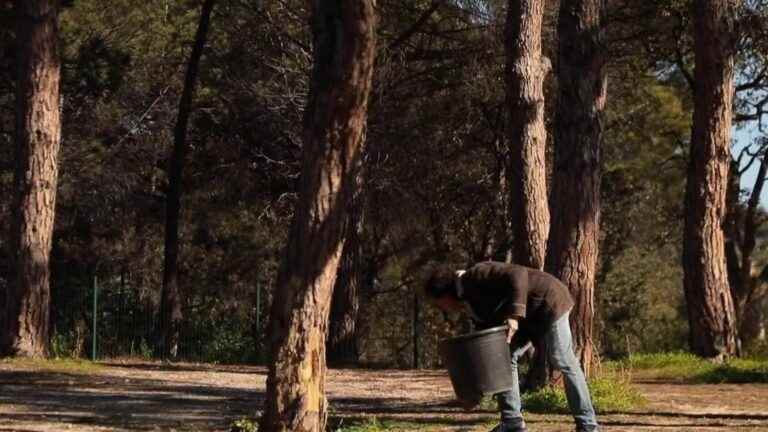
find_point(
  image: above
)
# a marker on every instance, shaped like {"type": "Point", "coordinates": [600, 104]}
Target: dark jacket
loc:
{"type": "Point", "coordinates": [496, 291]}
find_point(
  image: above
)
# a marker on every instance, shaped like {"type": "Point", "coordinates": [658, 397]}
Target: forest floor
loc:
{"type": "Point", "coordinates": [143, 396]}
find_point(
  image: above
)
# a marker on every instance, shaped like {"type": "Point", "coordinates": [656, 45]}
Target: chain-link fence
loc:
{"type": "Point", "coordinates": [110, 318]}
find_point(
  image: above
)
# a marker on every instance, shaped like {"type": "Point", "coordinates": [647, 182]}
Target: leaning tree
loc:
{"type": "Point", "coordinates": [334, 124]}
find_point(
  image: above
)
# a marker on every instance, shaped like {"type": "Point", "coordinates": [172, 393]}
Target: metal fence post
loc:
{"type": "Point", "coordinates": [258, 306]}
{"type": "Point", "coordinates": [95, 314]}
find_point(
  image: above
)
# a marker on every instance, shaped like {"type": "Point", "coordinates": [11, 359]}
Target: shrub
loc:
{"type": "Point", "coordinates": [244, 425]}
{"type": "Point", "coordinates": [62, 346]}
{"type": "Point", "coordinates": [611, 391]}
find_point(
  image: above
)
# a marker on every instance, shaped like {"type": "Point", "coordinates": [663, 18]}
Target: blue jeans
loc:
{"type": "Point", "coordinates": [559, 345]}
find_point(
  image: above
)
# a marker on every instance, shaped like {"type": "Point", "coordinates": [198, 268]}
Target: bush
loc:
{"type": "Point", "coordinates": [244, 425]}
{"type": "Point", "coordinates": [758, 349]}
{"type": "Point", "coordinates": [62, 346]}
{"type": "Point", "coordinates": [611, 391]}
{"type": "Point", "coordinates": [549, 399]}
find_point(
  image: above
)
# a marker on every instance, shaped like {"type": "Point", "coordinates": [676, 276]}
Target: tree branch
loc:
{"type": "Point", "coordinates": [417, 25]}
{"type": "Point", "coordinates": [679, 57]}
{"type": "Point", "coordinates": [753, 158]}
{"type": "Point", "coordinates": [758, 114]}
{"type": "Point", "coordinates": [756, 82]}
{"type": "Point", "coordinates": [680, 62]}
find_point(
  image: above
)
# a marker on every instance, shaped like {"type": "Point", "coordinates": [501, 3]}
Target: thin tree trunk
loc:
{"type": "Point", "coordinates": [732, 230]}
{"type": "Point", "coordinates": [575, 203]}
{"type": "Point", "coordinates": [344, 47]}
{"type": "Point", "coordinates": [751, 226]}
{"type": "Point", "coordinates": [710, 305]}
{"type": "Point", "coordinates": [752, 301]}
{"type": "Point", "coordinates": [342, 329]}
{"type": "Point", "coordinates": [171, 298]}
{"type": "Point", "coordinates": [740, 229]}
{"type": "Point", "coordinates": [500, 245]}
{"type": "Point", "coordinates": [526, 69]}
{"type": "Point", "coordinates": [38, 136]}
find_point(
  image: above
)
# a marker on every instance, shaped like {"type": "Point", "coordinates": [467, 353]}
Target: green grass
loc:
{"type": "Point", "coordinates": [687, 367]}
{"type": "Point", "coordinates": [375, 425]}
{"type": "Point", "coordinates": [611, 392]}
{"type": "Point", "coordinates": [53, 365]}
{"type": "Point", "coordinates": [351, 425]}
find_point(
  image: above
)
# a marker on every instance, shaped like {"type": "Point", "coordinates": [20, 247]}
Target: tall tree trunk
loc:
{"type": "Point", "coordinates": [526, 69]}
{"type": "Point", "coordinates": [345, 304]}
{"type": "Point", "coordinates": [344, 47]}
{"type": "Point", "coordinates": [38, 136]}
{"type": "Point", "coordinates": [575, 203]}
{"type": "Point", "coordinates": [710, 305]}
{"type": "Point", "coordinates": [526, 137]}
{"type": "Point", "coordinates": [171, 298]}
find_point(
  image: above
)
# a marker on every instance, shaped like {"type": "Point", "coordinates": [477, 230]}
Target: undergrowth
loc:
{"type": "Point", "coordinates": [341, 424]}
{"type": "Point", "coordinates": [376, 425]}
{"type": "Point", "coordinates": [611, 391]}
{"type": "Point", "coordinates": [53, 365]}
{"type": "Point", "coordinates": [686, 367]}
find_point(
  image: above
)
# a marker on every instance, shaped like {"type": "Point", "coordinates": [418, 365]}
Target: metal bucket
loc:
{"type": "Point", "coordinates": [478, 363]}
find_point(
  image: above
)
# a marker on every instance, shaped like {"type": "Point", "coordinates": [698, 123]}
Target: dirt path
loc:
{"type": "Point", "coordinates": [187, 397]}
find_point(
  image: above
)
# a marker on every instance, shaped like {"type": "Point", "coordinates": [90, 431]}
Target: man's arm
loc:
{"type": "Point", "coordinates": [517, 286]}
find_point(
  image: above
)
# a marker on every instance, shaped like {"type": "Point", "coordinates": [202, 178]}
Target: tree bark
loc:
{"type": "Point", "coordinates": [526, 137]}
{"type": "Point", "coordinates": [345, 304]}
{"type": "Point", "coordinates": [526, 70]}
{"type": "Point", "coordinates": [710, 305]}
{"type": "Point", "coordinates": [575, 202]}
{"type": "Point", "coordinates": [38, 136]}
{"type": "Point", "coordinates": [171, 298]}
{"type": "Point", "coordinates": [343, 53]}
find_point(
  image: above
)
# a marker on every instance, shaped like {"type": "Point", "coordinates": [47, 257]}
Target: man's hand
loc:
{"type": "Point", "coordinates": [511, 329]}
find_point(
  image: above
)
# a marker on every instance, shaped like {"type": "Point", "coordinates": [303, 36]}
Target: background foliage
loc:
{"type": "Point", "coordinates": [434, 189]}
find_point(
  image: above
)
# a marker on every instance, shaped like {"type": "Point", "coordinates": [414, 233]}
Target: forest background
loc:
{"type": "Point", "coordinates": [434, 188]}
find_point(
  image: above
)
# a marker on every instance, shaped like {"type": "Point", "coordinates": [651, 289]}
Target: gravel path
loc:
{"type": "Point", "coordinates": [131, 396]}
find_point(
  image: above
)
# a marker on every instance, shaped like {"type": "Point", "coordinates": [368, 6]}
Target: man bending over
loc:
{"type": "Point", "coordinates": [535, 306]}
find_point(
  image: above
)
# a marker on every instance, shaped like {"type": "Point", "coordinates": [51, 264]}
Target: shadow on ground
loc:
{"type": "Point", "coordinates": [184, 401]}
{"type": "Point", "coordinates": [190, 397]}
{"type": "Point", "coordinates": [135, 404]}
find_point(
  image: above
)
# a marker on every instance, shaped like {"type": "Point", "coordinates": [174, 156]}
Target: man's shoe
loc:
{"type": "Point", "coordinates": [510, 427]}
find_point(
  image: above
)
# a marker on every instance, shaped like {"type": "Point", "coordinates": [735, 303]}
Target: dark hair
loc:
{"type": "Point", "coordinates": [441, 282]}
